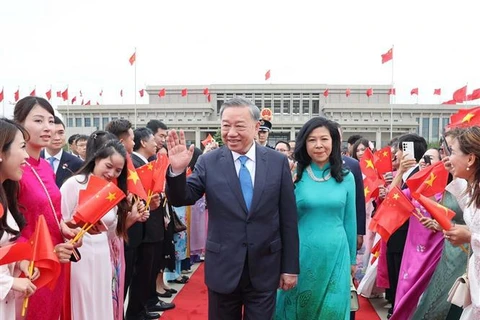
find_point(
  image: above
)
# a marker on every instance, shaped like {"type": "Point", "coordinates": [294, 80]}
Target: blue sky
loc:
{"type": "Point", "coordinates": [86, 45]}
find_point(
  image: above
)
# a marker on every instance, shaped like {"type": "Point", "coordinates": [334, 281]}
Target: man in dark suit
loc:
{"type": "Point", "coordinates": [252, 243]}
{"type": "Point", "coordinates": [64, 164]}
{"type": "Point", "coordinates": [148, 234]}
{"type": "Point", "coordinates": [396, 242]}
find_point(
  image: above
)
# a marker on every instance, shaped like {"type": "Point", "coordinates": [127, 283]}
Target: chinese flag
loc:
{"type": "Point", "coordinates": [392, 91]}
{"type": "Point", "coordinates": [465, 118]}
{"type": "Point", "coordinates": [369, 92]}
{"type": "Point", "coordinates": [162, 93]}
{"type": "Point", "coordinates": [325, 93]}
{"type": "Point", "coordinates": [132, 59]}
{"type": "Point", "coordinates": [121, 93]}
{"type": "Point", "coordinates": [206, 92]}
{"type": "Point", "coordinates": [43, 256]}
{"type": "Point", "coordinates": [159, 173]}
{"type": "Point", "coordinates": [134, 184]}
{"type": "Point", "coordinates": [441, 214]}
{"type": "Point", "coordinates": [367, 164]}
{"type": "Point", "coordinates": [1, 95]}
{"type": "Point", "coordinates": [103, 197]}
{"type": "Point", "coordinates": [65, 95]}
{"type": "Point", "coordinates": [209, 98]}
{"type": "Point", "coordinates": [460, 95]}
{"type": "Point", "coordinates": [145, 173]}
{"type": "Point", "coordinates": [17, 95]}
{"type": "Point", "coordinates": [347, 93]}
{"type": "Point", "coordinates": [184, 92]}
{"type": "Point", "coordinates": [74, 99]}
{"type": "Point", "coordinates": [475, 94]}
{"type": "Point", "coordinates": [414, 91]}
{"type": "Point", "coordinates": [49, 94]}
{"type": "Point", "coordinates": [391, 214]}
{"type": "Point", "coordinates": [429, 181]}
{"type": "Point", "coordinates": [387, 56]}
{"type": "Point", "coordinates": [383, 160]}
{"type": "Point", "coordinates": [267, 75]}
{"type": "Point", "coordinates": [437, 92]}
{"type": "Point", "coordinates": [207, 140]}
{"type": "Point", "coordinates": [450, 102]}
{"type": "Point", "coordinates": [33, 93]}
{"type": "Point", "coordinates": [142, 92]}
{"type": "Point", "coordinates": [59, 94]}
{"type": "Point", "coordinates": [370, 187]}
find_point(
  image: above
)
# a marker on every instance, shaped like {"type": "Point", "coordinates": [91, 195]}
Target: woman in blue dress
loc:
{"type": "Point", "coordinates": [325, 195]}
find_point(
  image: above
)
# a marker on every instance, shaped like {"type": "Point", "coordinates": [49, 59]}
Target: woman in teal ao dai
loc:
{"type": "Point", "coordinates": [325, 195]}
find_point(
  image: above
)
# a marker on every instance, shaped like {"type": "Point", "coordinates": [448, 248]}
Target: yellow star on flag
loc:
{"type": "Point", "coordinates": [369, 163]}
{"type": "Point", "coordinates": [150, 166]}
{"type": "Point", "coordinates": [468, 117]}
{"type": "Point", "coordinates": [396, 196]}
{"type": "Point", "coordinates": [385, 153]}
{"type": "Point", "coordinates": [430, 180]}
{"type": "Point", "coordinates": [111, 196]}
{"type": "Point", "coordinates": [133, 175]}
{"type": "Point", "coordinates": [366, 191]}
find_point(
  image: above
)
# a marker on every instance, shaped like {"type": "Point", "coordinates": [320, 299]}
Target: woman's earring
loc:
{"type": "Point", "coordinates": [468, 168]}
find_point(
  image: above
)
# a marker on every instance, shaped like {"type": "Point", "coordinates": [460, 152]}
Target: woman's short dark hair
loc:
{"type": "Point", "coordinates": [9, 188]}
{"type": "Point", "coordinates": [303, 159]}
{"type": "Point", "coordinates": [107, 150]}
{"type": "Point", "coordinates": [25, 105]}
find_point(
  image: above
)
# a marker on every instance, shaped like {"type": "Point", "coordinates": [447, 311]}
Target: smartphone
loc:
{"type": "Point", "coordinates": [407, 147]}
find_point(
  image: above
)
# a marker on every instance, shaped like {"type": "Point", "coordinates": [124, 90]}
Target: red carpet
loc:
{"type": "Point", "coordinates": [192, 302]}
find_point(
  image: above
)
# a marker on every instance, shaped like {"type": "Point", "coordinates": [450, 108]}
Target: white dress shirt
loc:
{"type": "Point", "coordinates": [250, 164]}
{"type": "Point", "coordinates": [57, 157]}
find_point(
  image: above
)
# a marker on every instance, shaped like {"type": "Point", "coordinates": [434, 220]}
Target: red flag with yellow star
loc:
{"type": "Point", "coordinates": [429, 181]}
{"type": "Point", "coordinates": [465, 118]}
{"type": "Point", "coordinates": [159, 173]}
{"type": "Point", "coordinates": [376, 251]}
{"type": "Point", "coordinates": [441, 214]}
{"type": "Point", "coordinates": [145, 173]}
{"type": "Point", "coordinates": [383, 160]}
{"type": "Point", "coordinates": [367, 164]}
{"type": "Point", "coordinates": [134, 183]}
{"type": "Point", "coordinates": [100, 198]}
{"type": "Point", "coordinates": [391, 214]}
{"type": "Point", "coordinates": [370, 187]}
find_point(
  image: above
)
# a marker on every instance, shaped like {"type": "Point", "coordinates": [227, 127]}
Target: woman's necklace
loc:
{"type": "Point", "coordinates": [314, 178]}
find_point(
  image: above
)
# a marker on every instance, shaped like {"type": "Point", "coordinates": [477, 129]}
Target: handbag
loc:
{"type": "Point", "coordinates": [459, 293]}
{"type": "Point", "coordinates": [354, 305]}
{"type": "Point", "coordinates": [178, 225]}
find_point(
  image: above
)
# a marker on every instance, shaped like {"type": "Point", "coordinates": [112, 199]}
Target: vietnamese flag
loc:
{"type": "Point", "coordinates": [207, 140]}
{"type": "Point", "coordinates": [132, 58]}
{"type": "Point", "coordinates": [33, 93]}
{"type": "Point", "coordinates": [267, 75]}
{"type": "Point", "coordinates": [162, 93]}
{"type": "Point", "coordinates": [437, 92]}
{"type": "Point", "coordinates": [475, 94]}
{"type": "Point", "coordinates": [449, 102]}
{"type": "Point", "coordinates": [65, 95]}
{"type": "Point", "coordinates": [49, 94]}
{"type": "Point", "coordinates": [465, 117]}
{"type": "Point", "coordinates": [392, 213]}
{"type": "Point", "coordinates": [17, 95]}
{"type": "Point", "coordinates": [184, 92]}
{"type": "Point", "coordinates": [387, 56]}
{"type": "Point", "coordinates": [441, 214]}
{"type": "Point", "coordinates": [134, 183]}
{"type": "Point", "coordinates": [460, 95]}
{"type": "Point", "coordinates": [43, 255]}
{"type": "Point", "coordinates": [102, 196]}
{"type": "Point", "coordinates": [369, 92]}
{"type": "Point", "coordinates": [414, 91]}
{"type": "Point", "coordinates": [325, 93]}
{"type": "Point", "coordinates": [429, 181]}
{"type": "Point", "coordinates": [383, 160]}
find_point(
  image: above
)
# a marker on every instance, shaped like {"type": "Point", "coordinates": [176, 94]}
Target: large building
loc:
{"type": "Point", "coordinates": [292, 105]}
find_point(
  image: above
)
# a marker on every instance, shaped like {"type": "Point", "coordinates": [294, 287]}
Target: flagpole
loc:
{"type": "Point", "coordinates": [135, 90]}
{"type": "Point", "coordinates": [3, 100]}
{"type": "Point", "coordinates": [391, 102]}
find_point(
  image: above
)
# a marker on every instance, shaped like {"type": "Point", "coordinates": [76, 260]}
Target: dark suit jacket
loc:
{"type": "Point", "coordinates": [267, 235]}
{"type": "Point", "coordinates": [67, 166]}
{"type": "Point", "coordinates": [153, 229]}
{"type": "Point", "coordinates": [354, 167]}
{"type": "Point", "coordinates": [396, 242]}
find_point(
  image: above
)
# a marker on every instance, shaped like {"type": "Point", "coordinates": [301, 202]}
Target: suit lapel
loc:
{"type": "Point", "coordinates": [228, 167]}
{"type": "Point", "coordinates": [260, 175]}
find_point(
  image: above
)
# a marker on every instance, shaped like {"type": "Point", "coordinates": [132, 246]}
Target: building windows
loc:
{"type": "Point", "coordinates": [305, 107]}
{"type": "Point", "coordinates": [315, 107]}
{"type": "Point", "coordinates": [87, 122]}
{"type": "Point", "coordinates": [445, 122]}
{"type": "Point", "coordinates": [425, 127]}
{"type": "Point", "coordinates": [96, 122]}
{"type": "Point", "coordinates": [417, 120]}
{"type": "Point", "coordinates": [78, 122]}
{"type": "Point", "coordinates": [258, 103]}
{"type": "Point", "coordinates": [268, 103]}
{"type": "Point", "coordinates": [104, 121]}
{"type": "Point", "coordinates": [277, 107]}
{"type": "Point", "coordinates": [219, 105]}
{"type": "Point", "coordinates": [70, 122]}
{"type": "Point", "coordinates": [286, 106]}
{"type": "Point", "coordinates": [296, 107]}
{"type": "Point", "coordinates": [435, 128]}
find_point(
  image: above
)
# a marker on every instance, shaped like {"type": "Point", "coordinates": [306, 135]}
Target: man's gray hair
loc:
{"type": "Point", "coordinates": [241, 102]}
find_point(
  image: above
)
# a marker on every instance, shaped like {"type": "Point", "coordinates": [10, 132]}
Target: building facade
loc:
{"type": "Point", "coordinates": [197, 113]}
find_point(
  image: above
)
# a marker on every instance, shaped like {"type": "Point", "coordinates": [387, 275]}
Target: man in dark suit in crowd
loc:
{"type": "Point", "coordinates": [143, 293]}
{"type": "Point", "coordinates": [252, 244]}
{"type": "Point", "coordinates": [71, 144]}
{"type": "Point", "coordinates": [396, 243]}
{"type": "Point", "coordinates": [64, 164]}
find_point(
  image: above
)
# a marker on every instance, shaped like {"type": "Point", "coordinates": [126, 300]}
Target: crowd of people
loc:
{"type": "Point", "coordinates": [283, 230]}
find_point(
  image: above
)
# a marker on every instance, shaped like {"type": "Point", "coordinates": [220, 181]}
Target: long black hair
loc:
{"type": "Point", "coordinates": [301, 155]}
{"type": "Point", "coordinates": [107, 150]}
{"type": "Point", "coordinates": [9, 188]}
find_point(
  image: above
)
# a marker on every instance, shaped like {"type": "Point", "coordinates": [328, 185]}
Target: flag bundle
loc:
{"type": "Point", "coordinates": [373, 166]}
{"type": "Point", "coordinates": [152, 176]}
